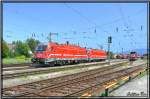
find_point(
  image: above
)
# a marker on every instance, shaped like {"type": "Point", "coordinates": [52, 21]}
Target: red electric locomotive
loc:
{"type": "Point", "coordinates": [133, 56]}
{"type": "Point", "coordinates": [97, 55]}
{"type": "Point", "coordinates": [54, 53]}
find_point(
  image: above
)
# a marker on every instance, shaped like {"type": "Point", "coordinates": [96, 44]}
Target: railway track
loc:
{"type": "Point", "coordinates": [70, 85]}
{"type": "Point", "coordinates": [17, 68]}
{"type": "Point", "coordinates": [11, 67]}
{"type": "Point", "coordinates": [15, 65]}
{"type": "Point", "coordinates": [31, 66]}
{"type": "Point", "coordinates": [27, 64]}
{"type": "Point", "coordinates": [19, 73]}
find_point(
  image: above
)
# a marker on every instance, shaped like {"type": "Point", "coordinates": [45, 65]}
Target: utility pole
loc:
{"type": "Point", "coordinates": [78, 43]}
{"type": "Point", "coordinates": [50, 40]}
{"type": "Point", "coordinates": [122, 50]}
{"type": "Point", "coordinates": [109, 42]}
{"type": "Point", "coordinates": [50, 34]}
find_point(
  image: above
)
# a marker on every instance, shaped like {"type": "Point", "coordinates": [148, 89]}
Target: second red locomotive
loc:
{"type": "Point", "coordinates": [134, 56]}
{"type": "Point", "coordinates": [54, 53]}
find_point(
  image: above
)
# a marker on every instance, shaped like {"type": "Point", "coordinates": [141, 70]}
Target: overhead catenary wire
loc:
{"type": "Point", "coordinates": [90, 22]}
{"type": "Point", "coordinates": [93, 23]}
{"type": "Point", "coordinates": [134, 44]}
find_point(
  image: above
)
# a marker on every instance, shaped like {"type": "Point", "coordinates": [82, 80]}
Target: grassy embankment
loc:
{"type": "Point", "coordinates": [16, 60]}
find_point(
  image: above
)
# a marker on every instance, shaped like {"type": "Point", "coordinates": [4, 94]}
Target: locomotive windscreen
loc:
{"type": "Point", "coordinates": [132, 52]}
{"type": "Point", "coordinates": [41, 48]}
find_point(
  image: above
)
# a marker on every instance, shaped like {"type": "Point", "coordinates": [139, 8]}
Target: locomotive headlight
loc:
{"type": "Point", "coordinates": [46, 59]}
{"type": "Point", "coordinates": [33, 59]}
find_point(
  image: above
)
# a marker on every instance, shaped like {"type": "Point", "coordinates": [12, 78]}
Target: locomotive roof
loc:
{"type": "Point", "coordinates": [70, 45]}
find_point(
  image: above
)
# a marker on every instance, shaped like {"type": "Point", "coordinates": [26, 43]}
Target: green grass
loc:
{"type": "Point", "coordinates": [16, 60]}
{"type": "Point", "coordinates": [142, 74]}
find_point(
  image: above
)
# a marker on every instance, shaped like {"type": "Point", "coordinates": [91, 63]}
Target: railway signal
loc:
{"type": "Point", "coordinates": [109, 42]}
{"type": "Point", "coordinates": [109, 39]}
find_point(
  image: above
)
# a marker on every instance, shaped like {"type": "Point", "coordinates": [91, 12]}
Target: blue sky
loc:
{"type": "Point", "coordinates": [88, 24]}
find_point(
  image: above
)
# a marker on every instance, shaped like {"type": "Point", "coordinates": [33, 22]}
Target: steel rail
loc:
{"type": "Point", "coordinates": [80, 84]}
{"type": "Point", "coordinates": [64, 80]}
{"type": "Point", "coordinates": [15, 65]}
{"type": "Point", "coordinates": [46, 70]}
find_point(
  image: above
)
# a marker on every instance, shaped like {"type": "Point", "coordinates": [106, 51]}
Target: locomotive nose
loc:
{"type": "Point", "coordinates": [39, 55]}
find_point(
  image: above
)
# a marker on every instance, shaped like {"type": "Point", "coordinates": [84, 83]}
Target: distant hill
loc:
{"type": "Point", "coordinates": [139, 51]}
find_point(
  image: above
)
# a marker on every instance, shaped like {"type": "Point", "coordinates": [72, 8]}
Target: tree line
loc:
{"type": "Point", "coordinates": [19, 48]}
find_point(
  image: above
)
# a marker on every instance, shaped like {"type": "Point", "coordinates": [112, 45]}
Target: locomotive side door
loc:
{"type": "Point", "coordinates": [88, 54]}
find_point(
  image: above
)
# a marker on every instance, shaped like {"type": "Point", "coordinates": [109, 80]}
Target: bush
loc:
{"type": "Point", "coordinates": [11, 54]}
{"type": "Point", "coordinates": [22, 49]}
{"type": "Point", "coordinates": [20, 57]}
{"type": "Point", "coordinates": [5, 50]}
{"type": "Point", "coordinates": [32, 43]}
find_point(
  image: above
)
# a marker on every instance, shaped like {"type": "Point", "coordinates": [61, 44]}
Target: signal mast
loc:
{"type": "Point", "coordinates": [50, 36]}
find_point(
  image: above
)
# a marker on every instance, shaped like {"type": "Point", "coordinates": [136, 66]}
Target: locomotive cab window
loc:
{"type": "Point", "coordinates": [41, 48]}
{"type": "Point", "coordinates": [50, 48]}
{"type": "Point", "coordinates": [133, 53]}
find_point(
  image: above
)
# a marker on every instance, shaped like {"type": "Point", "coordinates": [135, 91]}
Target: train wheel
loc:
{"type": "Point", "coordinates": [61, 63]}
{"type": "Point", "coordinates": [52, 64]}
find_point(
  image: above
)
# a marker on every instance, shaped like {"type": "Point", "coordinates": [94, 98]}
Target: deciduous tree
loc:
{"type": "Point", "coordinates": [32, 43]}
{"type": "Point", "coordinates": [5, 49]}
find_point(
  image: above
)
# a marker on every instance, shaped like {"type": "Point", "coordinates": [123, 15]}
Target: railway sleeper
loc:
{"type": "Point", "coordinates": [54, 92]}
{"type": "Point", "coordinates": [73, 89]}
{"type": "Point", "coordinates": [65, 92]}
{"type": "Point", "coordinates": [32, 95]}
{"type": "Point", "coordinates": [13, 93]}
{"type": "Point", "coordinates": [123, 73]}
